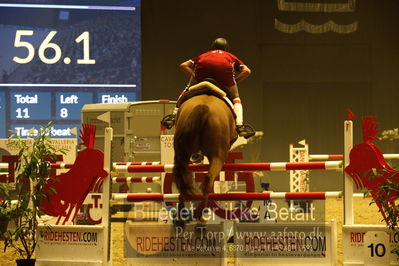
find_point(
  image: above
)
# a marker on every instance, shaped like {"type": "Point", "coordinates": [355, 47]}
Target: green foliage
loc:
{"type": "Point", "coordinates": [7, 209]}
{"type": "Point", "coordinates": [32, 170]}
{"type": "Point", "coordinates": [389, 205]}
{"type": "Point", "coordinates": [390, 134]}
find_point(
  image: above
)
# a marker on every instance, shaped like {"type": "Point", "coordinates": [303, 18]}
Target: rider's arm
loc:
{"type": "Point", "coordinates": [188, 67]}
{"type": "Point", "coordinates": [244, 73]}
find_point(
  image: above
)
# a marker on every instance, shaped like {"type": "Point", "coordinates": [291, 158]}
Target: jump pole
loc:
{"type": "Point", "coordinates": [348, 182]}
{"type": "Point", "coordinates": [233, 167]}
{"type": "Point", "coordinates": [136, 163]}
{"type": "Point", "coordinates": [229, 196]}
{"type": "Point", "coordinates": [52, 165]}
{"type": "Point", "coordinates": [106, 222]}
{"type": "Point", "coordinates": [139, 179]}
{"type": "Point", "coordinates": [325, 157]}
{"type": "Point", "coordinates": [70, 165]}
{"type": "Point", "coordinates": [340, 156]}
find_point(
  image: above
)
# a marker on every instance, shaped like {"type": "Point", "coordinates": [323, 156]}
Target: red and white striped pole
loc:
{"type": "Point", "coordinates": [131, 179]}
{"type": "Point", "coordinates": [233, 167]}
{"type": "Point", "coordinates": [137, 163]}
{"type": "Point", "coordinates": [61, 165]}
{"type": "Point", "coordinates": [70, 165]}
{"type": "Point", "coordinates": [326, 156]}
{"type": "Point", "coordinates": [228, 196]}
{"type": "Point", "coordinates": [52, 165]}
{"type": "Point", "coordinates": [340, 156]}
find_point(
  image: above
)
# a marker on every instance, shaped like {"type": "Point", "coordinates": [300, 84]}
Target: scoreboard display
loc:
{"type": "Point", "coordinates": [55, 58]}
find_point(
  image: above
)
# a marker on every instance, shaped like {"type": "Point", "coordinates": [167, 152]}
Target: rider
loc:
{"type": "Point", "coordinates": [220, 65]}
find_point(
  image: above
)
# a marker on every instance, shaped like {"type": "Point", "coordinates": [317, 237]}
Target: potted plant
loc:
{"type": "Point", "coordinates": [31, 170]}
{"type": "Point", "coordinates": [7, 209]}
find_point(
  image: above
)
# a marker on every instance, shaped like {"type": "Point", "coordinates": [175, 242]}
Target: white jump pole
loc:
{"type": "Point", "coordinates": [348, 182]}
{"type": "Point", "coordinates": [107, 252]}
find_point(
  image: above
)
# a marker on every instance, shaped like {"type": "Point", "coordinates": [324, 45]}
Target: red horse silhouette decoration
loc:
{"type": "Point", "coordinates": [369, 169]}
{"type": "Point", "coordinates": [65, 193]}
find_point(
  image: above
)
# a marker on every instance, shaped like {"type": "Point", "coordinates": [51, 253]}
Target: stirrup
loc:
{"type": "Point", "coordinates": [197, 158]}
{"type": "Point", "coordinates": [168, 121]}
{"type": "Point", "coordinates": [245, 131]}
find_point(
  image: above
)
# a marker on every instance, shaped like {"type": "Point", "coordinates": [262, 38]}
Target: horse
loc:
{"type": "Point", "coordinates": [204, 124]}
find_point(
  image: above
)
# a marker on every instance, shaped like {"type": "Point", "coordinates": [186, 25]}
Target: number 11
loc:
{"type": "Point", "coordinates": [22, 113]}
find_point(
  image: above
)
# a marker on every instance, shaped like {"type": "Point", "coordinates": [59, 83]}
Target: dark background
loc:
{"type": "Point", "coordinates": [302, 84]}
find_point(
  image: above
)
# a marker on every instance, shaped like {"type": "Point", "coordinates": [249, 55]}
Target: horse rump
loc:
{"type": "Point", "coordinates": [187, 142]}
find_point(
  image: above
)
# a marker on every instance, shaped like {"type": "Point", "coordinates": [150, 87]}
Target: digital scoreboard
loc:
{"type": "Point", "coordinates": [55, 58]}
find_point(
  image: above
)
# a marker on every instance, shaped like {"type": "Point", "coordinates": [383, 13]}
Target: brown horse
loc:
{"type": "Point", "coordinates": [204, 124]}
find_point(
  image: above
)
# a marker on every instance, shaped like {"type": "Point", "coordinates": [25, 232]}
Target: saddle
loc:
{"type": "Point", "coordinates": [208, 88]}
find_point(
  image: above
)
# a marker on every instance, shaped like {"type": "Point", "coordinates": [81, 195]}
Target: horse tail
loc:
{"type": "Point", "coordinates": [185, 141]}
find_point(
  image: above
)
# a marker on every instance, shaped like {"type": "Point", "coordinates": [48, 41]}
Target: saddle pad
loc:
{"type": "Point", "coordinates": [207, 88]}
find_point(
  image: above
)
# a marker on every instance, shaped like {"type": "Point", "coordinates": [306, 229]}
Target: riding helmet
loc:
{"type": "Point", "coordinates": [220, 44]}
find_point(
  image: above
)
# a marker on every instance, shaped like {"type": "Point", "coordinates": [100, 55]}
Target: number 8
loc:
{"type": "Point", "coordinates": [64, 112]}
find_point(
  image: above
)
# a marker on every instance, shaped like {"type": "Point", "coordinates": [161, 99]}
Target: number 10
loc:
{"type": "Point", "coordinates": [379, 250]}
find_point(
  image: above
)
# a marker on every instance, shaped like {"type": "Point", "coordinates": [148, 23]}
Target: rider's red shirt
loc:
{"type": "Point", "coordinates": [219, 65]}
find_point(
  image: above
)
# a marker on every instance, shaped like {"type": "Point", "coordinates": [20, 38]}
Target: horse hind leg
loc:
{"type": "Point", "coordinates": [181, 172]}
{"type": "Point", "coordinates": [215, 165]}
